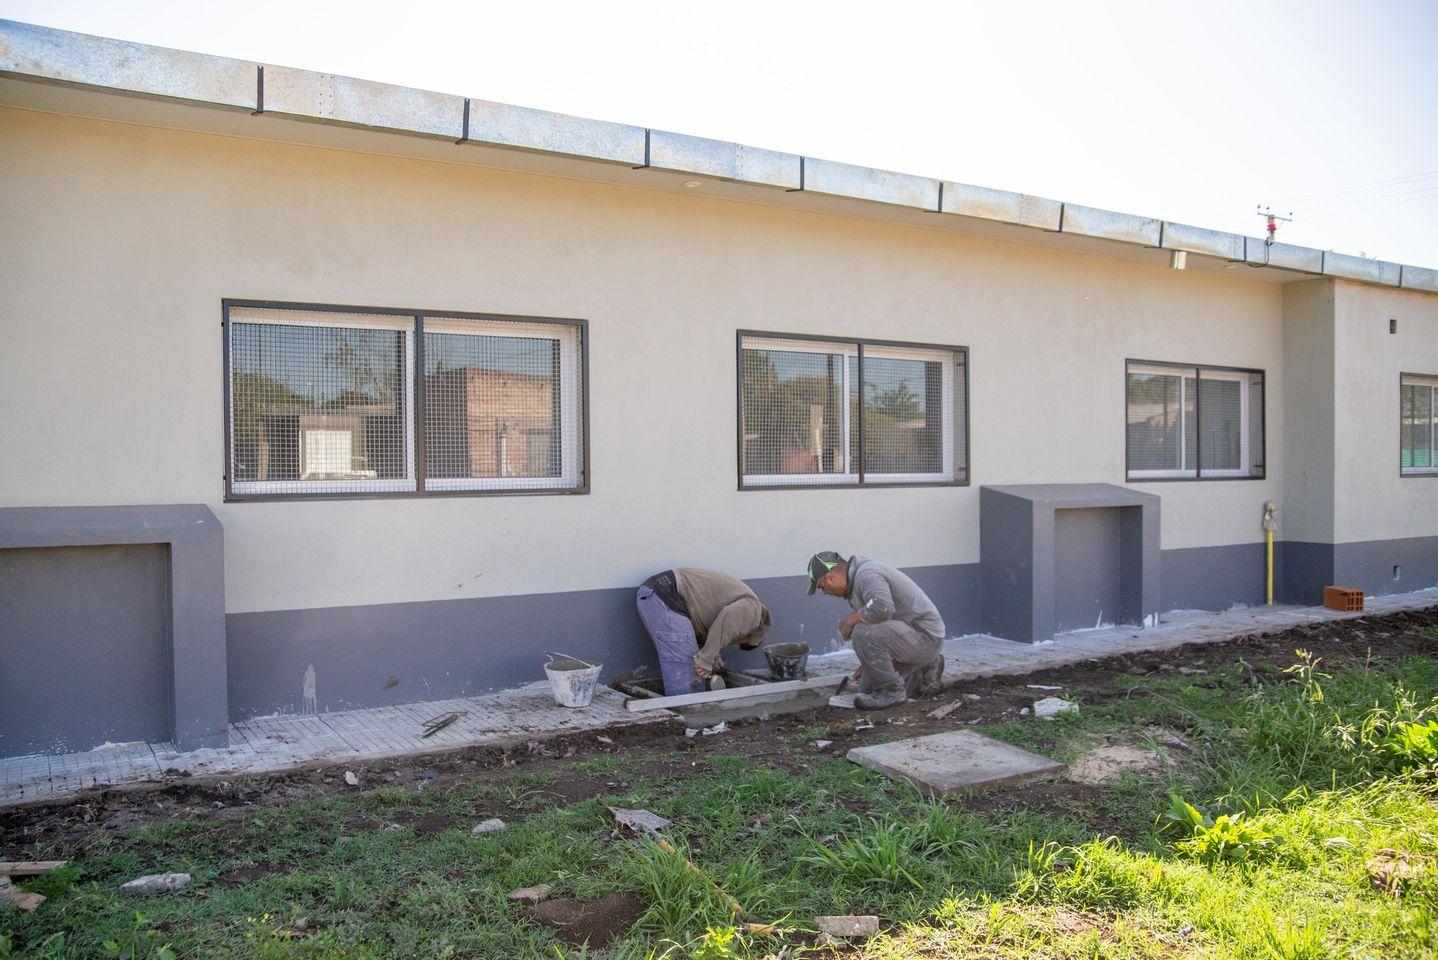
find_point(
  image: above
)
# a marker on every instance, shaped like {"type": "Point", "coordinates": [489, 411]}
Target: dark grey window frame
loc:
{"type": "Point", "coordinates": [1130, 362]}
{"type": "Point", "coordinates": [1411, 473]}
{"type": "Point", "coordinates": [417, 401]}
{"type": "Point", "coordinates": [860, 342]}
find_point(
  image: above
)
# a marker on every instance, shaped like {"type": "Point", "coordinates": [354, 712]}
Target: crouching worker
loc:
{"type": "Point", "coordinates": [684, 607]}
{"type": "Point", "coordinates": [895, 628]}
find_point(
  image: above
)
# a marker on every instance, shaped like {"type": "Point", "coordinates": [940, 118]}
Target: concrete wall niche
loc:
{"type": "Point", "coordinates": [104, 612]}
{"type": "Point", "coordinates": [1061, 556]}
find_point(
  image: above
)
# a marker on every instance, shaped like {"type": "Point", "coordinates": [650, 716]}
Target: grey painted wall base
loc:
{"type": "Point", "coordinates": [1216, 578]}
{"type": "Point", "coordinates": [194, 654]}
{"type": "Point", "coordinates": [1376, 567]}
{"type": "Point", "coordinates": [449, 648]}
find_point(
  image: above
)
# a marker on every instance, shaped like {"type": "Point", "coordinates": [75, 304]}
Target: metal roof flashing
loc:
{"type": "Point", "coordinates": [83, 62]}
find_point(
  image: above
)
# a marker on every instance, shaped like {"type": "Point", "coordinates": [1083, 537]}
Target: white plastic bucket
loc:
{"type": "Point", "coordinates": [572, 681]}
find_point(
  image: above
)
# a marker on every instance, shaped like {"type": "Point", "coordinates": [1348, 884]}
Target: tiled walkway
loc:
{"type": "Point", "coordinates": [279, 742]}
{"type": "Point", "coordinates": [276, 743]}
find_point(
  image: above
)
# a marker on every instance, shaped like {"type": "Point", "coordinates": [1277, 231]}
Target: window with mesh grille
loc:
{"type": "Point", "coordinates": [1191, 422]}
{"type": "Point", "coordinates": [824, 412]}
{"type": "Point", "coordinates": [328, 403]}
{"type": "Point", "coordinates": [1418, 425]}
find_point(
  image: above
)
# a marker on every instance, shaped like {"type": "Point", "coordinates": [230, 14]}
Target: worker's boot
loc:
{"type": "Point", "coordinates": [879, 701]}
{"type": "Point", "coordinates": [931, 676]}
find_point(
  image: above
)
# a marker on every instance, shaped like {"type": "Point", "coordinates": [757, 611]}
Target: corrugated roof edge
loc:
{"type": "Point", "coordinates": [80, 60]}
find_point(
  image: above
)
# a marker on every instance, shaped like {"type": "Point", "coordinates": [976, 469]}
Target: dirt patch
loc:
{"type": "Point", "coordinates": [595, 922]}
{"type": "Point", "coordinates": [1062, 799]}
{"type": "Point", "coordinates": [1110, 761]}
{"type": "Point", "coordinates": [432, 823]}
{"type": "Point", "coordinates": [574, 789]}
{"type": "Point", "coordinates": [252, 872]}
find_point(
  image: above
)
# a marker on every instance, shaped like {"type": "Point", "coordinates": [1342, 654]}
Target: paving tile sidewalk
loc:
{"type": "Point", "coordinates": [267, 744]}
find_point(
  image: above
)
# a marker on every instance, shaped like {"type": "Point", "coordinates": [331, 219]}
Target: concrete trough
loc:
{"type": "Point", "coordinates": [1419, 278]}
{"type": "Point", "coordinates": [1283, 255]}
{"type": "Point", "coordinates": [39, 53]}
{"type": "Point", "coordinates": [727, 161]}
{"type": "Point", "coordinates": [1357, 268]}
{"type": "Point", "coordinates": [500, 124]}
{"type": "Point", "coordinates": [362, 103]}
{"type": "Point", "coordinates": [1108, 225]}
{"type": "Point", "coordinates": [865, 183]}
{"type": "Point", "coordinates": [1001, 205]}
{"type": "Point", "coordinates": [1214, 243]}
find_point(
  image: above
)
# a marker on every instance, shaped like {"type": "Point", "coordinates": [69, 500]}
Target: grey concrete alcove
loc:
{"type": "Point", "coordinates": [112, 627]}
{"type": "Point", "coordinates": [1061, 556]}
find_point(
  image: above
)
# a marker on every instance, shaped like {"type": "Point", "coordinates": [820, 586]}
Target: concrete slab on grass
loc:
{"type": "Point", "coordinates": [952, 762]}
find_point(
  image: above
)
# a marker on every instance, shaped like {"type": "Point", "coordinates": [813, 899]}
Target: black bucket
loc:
{"type": "Point", "coordinates": [787, 660]}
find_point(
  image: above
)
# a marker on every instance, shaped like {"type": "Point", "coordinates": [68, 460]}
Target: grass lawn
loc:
{"type": "Point", "coordinates": [1258, 836]}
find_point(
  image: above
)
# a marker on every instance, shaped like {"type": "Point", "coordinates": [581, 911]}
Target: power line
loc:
{"type": "Point", "coordinates": [1417, 192]}
{"type": "Point", "coordinates": [1357, 188]}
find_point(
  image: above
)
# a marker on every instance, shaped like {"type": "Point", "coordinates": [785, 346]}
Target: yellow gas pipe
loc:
{"type": "Point", "coordinates": [1270, 524]}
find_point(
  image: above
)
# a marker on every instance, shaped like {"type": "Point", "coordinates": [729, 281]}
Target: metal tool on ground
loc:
{"type": "Point", "coordinates": [435, 724]}
{"type": "Point", "coordinates": [571, 679]}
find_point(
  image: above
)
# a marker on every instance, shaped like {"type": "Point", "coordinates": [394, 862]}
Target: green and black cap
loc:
{"type": "Point", "coordinates": [820, 564]}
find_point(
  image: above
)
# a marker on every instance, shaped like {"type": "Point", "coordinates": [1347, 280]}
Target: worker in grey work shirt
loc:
{"type": "Point", "coordinates": [895, 628]}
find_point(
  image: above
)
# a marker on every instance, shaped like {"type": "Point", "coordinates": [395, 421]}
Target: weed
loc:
{"type": "Point", "coordinates": [1227, 837]}
{"type": "Point", "coordinates": [138, 944]}
{"type": "Point", "coordinates": [878, 857]}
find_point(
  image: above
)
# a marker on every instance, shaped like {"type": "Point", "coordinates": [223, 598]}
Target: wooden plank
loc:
{"type": "Point", "coordinates": [29, 868]}
{"type": "Point", "coordinates": [740, 693]}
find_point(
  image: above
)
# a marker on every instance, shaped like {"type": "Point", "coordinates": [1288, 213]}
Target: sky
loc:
{"type": "Point", "coordinates": [1193, 112]}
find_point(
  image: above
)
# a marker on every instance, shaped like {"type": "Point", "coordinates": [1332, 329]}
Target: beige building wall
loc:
{"type": "Point", "coordinates": [1305, 513]}
{"type": "Point", "coordinates": [110, 372]}
{"type": "Point", "coordinates": [1373, 501]}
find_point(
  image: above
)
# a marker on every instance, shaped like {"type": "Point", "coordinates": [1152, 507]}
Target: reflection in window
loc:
{"type": "Point", "coordinates": [1190, 422]}
{"type": "Point", "coordinates": [317, 404]}
{"type": "Point", "coordinates": [802, 422]}
{"type": "Point", "coordinates": [491, 406]}
{"type": "Point", "coordinates": [1419, 424]}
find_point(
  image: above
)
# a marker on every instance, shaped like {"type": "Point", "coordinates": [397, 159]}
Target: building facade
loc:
{"type": "Point", "coordinates": [450, 393]}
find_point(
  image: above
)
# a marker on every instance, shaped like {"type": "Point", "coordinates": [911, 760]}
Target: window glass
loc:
{"type": "Point", "coordinates": [1417, 426]}
{"type": "Point", "coordinates": [323, 402]}
{"type": "Point", "coordinates": [904, 424]}
{"type": "Point", "coordinates": [796, 413]}
{"type": "Point", "coordinates": [1193, 422]}
{"type": "Point", "coordinates": [1160, 418]}
{"type": "Point", "coordinates": [806, 419]}
{"type": "Point", "coordinates": [1221, 423]}
{"type": "Point", "coordinates": [318, 407]}
{"type": "Point", "coordinates": [491, 407]}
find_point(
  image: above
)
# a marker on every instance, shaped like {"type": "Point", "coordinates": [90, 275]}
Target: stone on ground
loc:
{"type": "Point", "coordinates": [946, 763]}
{"type": "Point", "coordinates": [1050, 707]}
{"type": "Point", "coordinates": [157, 883]}
{"type": "Point", "coordinates": [533, 894]}
{"type": "Point", "coordinates": [847, 926]}
{"type": "Point", "coordinates": [489, 826]}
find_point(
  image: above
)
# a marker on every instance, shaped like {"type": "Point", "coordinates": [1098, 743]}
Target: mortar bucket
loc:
{"type": "Point", "coordinates": [787, 660]}
{"type": "Point", "coordinates": [572, 681]}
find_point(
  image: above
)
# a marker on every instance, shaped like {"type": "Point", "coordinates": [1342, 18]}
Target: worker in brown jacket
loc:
{"type": "Point", "coordinates": [685, 607]}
